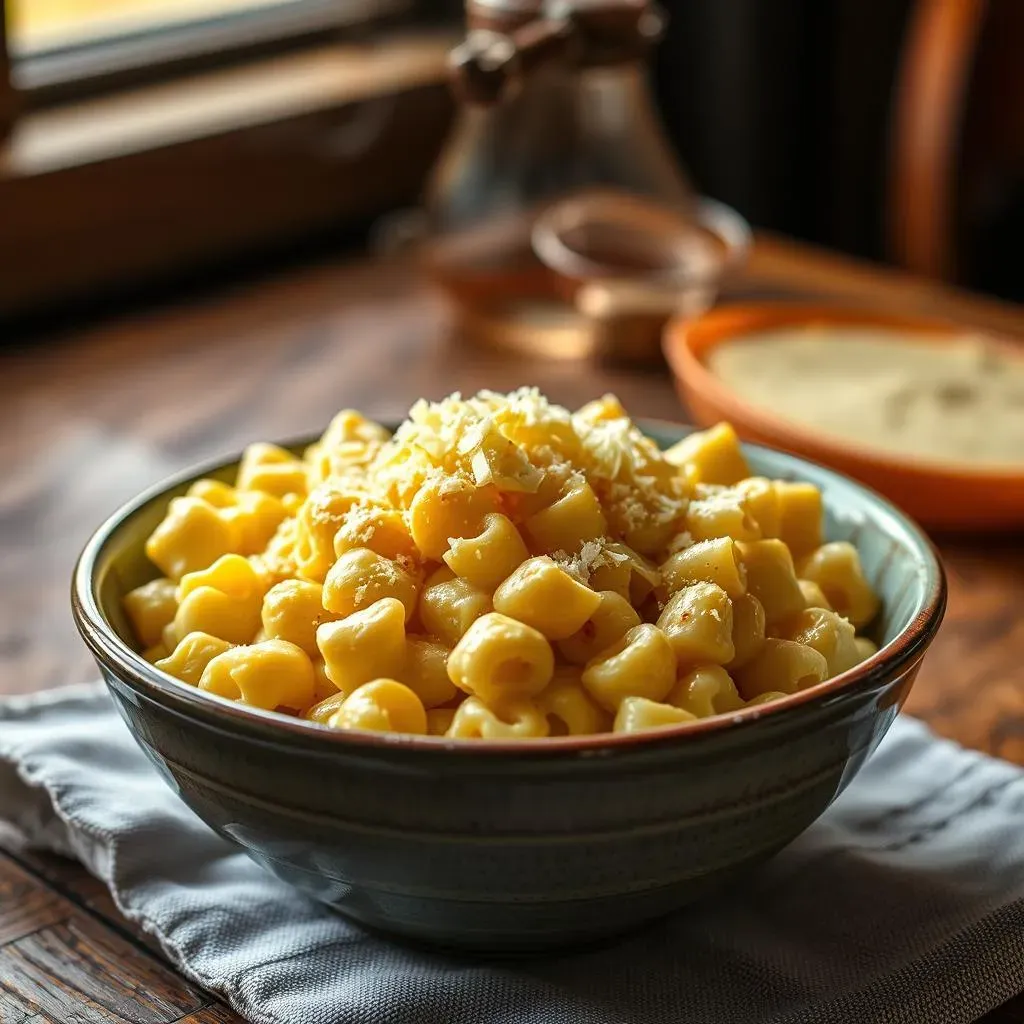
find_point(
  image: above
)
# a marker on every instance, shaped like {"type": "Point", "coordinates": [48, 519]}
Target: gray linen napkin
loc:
{"type": "Point", "coordinates": [905, 903]}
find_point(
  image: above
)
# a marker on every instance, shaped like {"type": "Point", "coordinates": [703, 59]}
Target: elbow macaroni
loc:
{"type": "Point", "coordinates": [836, 569]}
{"type": "Point", "coordinates": [501, 569]}
{"type": "Point", "coordinates": [543, 595]}
{"type": "Point", "coordinates": [491, 556]}
{"type": "Point", "coordinates": [449, 605]}
{"type": "Point", "coordinates": [710, 561]}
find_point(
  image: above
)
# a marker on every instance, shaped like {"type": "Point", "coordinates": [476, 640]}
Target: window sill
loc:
{"type": "Point", "coordinates": [117, 190]}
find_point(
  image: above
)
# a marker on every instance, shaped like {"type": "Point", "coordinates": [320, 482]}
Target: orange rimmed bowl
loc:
{"type": "Point", "coordinates": [941, 496]}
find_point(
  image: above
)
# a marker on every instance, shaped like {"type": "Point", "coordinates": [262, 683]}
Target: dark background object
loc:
{"type": "Point", "coordinates": [786, 111]}
{"type": "Point", "coordinates": [781, 109]}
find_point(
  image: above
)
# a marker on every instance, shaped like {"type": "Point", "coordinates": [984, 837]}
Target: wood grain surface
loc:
{"type": "Point", "coordinates": [90, 418]}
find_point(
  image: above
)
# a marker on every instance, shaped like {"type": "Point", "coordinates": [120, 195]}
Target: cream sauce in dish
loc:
{"type": "Point", "coordinates": [958, 401]}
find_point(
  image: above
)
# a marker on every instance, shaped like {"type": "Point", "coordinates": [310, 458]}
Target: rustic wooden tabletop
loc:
{"type": "Point", "coordinates": [88, 419]}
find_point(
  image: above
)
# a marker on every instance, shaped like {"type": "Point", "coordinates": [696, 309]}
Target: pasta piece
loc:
{"type": "Point", "coordinates": [490, 556]}
{"type": "Point", "coordinates": [714, 455]}
{"type": "Point", "coordinates": [169, 638]}
{"type": "Point", "coordinates": [255, 515]}
{"type": "Point", "coordinates": [626, 572]}
{"type": "Point", "coordinates": [293, 610]}
{"type": "Point", "coordinates": [710, 561]}
{"type": "Point", "coordinates": [446, 508]}
{"type": "Point", "coordinates": [214, 492]}
{"type": "Point", "coordinates": [771, 578]}
{"type": "Point", "coordinates": [496, 460]}
{"type": "Point", "coordinates": [698, 623]}
{"type": "Point", "coordinates": [801, 516]}
{"type": "Point", "coordinates": [748, 629]}
{"type": "Point", "coordinates": [191, 655]}
{"type": "Point", "coordinates": [781, 666]}
{"type": "Point", "coordinates": [273, 470]}
{"type": "Point", "coordinates": [836, 568]}
{"type": "Point", "coordinates": [439, 720]}
{"type": "Point", "coordinates": [569, 708]}
{"type": "Point", "coordinates": [426, 671]}
{"type": "Point", "coordinates": [382, 705]}
{"type": "Point", "coordinates": [367, 645]}
{"type": "Point", "coordinates": [637, 714]}
{"type": "Point", "coordinates": [575, 517]}
{"type": "Point", "coordinates": [349, 425]}
{"type": "Point", "coordinates": [501, 658]}
{"type": "Point", "coordinates": [350, 440]}
{"type": "Point", "coordinates": [641, 664]}
{"type": "Point", "coordinates": [761, 500]}
{"type": "Point", "coordinates": [544, 596]}
{"type": "Point", "coordinates": [829, 634]}
{"type": "Point", "coordinates": [652, 538]}
{"type": "Point", "coordinates": [326, 707]}
{"type": "Point", "coordinates": [150, 608]}
{"type": "Point", "coordinates": [450, 605]}
{"type": "Point", "coordinates": [232, 575]}
{"type": "Point", "coordinates": [600, 410]}
{"type": "Point", "coordinates": [814, 596]}
{"type": "Point", "coordinates": [766, 698]}
{"type": "Point", "coordinates": [381, 530]}
{"type": "Point", "coordinates": [517, 719]}
{"type": "Point", "coordinates": [273, 674]}
{"type": "Point", "coordinates": [721, 512]}
{"type": "Point", "coordinates": [612, 618]}
{"type": "Point", "coordinates": [317, 524]}
{"type": "Point", "coordinates": [361, 577]}
{"type": "Point", "coordinates": [323, 685]}
{"type": "Point", "coordinates": [278, 561]}
{"type": "Point", "coordinates": [519, 506]}
{"type": "Point", "coordinates": [705, 692]}
{"type": "Point", "coordinates": [223, 600]}
{"type": "Point", "coordinates": [191, 536]}
{"type": "Point", "coordinates": [207, 610]}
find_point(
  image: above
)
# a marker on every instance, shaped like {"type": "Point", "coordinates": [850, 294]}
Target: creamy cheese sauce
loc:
{"type": "Point", "coordinates": [960, 401]}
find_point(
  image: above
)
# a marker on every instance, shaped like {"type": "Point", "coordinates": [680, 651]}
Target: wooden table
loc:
{"type": "Point", "coordinates": [88, 420]}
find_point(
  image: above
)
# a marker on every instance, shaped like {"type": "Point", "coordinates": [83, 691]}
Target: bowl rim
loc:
{"type": "Point", "coordinates": [114, 653]}
{"type": "Point", "coordinates": [711, 217]}
{"type": "Point", "coordinates": [688, 342]}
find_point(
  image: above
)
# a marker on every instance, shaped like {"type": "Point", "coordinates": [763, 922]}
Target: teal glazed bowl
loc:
{"type": "Point", "coordinates": [519, 846]}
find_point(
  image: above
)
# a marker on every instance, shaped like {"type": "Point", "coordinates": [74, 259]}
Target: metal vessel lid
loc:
{"type": "Point", "coordinates": [508, 39]}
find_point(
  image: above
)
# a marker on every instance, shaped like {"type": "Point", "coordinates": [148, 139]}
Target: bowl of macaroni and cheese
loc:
{"type": "Point", "coordinates": [509, 677]}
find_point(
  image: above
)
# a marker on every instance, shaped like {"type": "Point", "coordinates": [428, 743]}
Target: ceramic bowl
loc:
{"type": "Point", "coordinates": [506, 846]}
{"type": "Point", "coordinates": [940, 496]}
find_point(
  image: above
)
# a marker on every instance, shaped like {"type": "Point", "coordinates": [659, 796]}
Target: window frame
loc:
{"type": "Point", "coordinates": [199, 168]}
{"type": "Point", "coordinates": [100, 65]}
{"type": "Point", "coordinates": [7, 94]}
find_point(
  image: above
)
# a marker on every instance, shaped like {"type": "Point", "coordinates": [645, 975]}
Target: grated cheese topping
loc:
{"type": "Point", "coordinates": [593, 554]}
{"type": "Point", "coordinates": [524, 445]}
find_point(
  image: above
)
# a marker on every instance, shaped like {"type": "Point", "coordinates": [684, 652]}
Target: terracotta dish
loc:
{"type": "Point", "coordinates": [940, 495]}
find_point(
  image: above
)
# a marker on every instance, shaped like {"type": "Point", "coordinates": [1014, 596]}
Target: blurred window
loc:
{"type": "Point", "coordinates": [149, 139]}
{"type": "Point", "coordinates": [40, 26]}
{"type": "Point", "coordinates": [67, 47]}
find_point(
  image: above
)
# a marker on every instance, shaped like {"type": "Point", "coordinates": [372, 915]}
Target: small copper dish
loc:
{"type": "Point", "coordinates": [628, 265]}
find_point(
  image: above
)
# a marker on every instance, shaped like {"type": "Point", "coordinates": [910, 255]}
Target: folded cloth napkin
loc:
{"type": "Point", "coordinates": [905, 903]}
